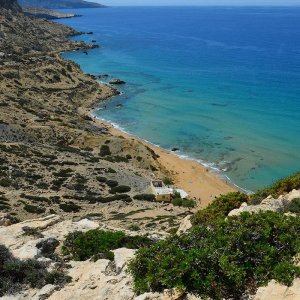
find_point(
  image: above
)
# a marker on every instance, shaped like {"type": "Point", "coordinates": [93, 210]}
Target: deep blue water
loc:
{"type": "Point", "coordinates": [221, 84]}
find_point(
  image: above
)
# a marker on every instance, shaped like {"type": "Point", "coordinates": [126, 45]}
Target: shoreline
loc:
{"type": "Point", "coordinates": [202, 183]}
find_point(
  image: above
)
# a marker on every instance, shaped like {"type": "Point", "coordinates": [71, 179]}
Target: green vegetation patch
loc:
{"type": "Point", "coordinates": [82, 246]}
{"type": "Point", "coordinates": [16, 275]}
{"type": "Point", "coordinates": [104, 150]}
{"type": "Point", "coordinates": [70, 207]}
{"type": "Point", "coordinates": [120, 189]}
{"type": "Point", "coordinates": [223, 260]}
{"type": "Point", "coordinates": [220, 207]}
{"type": "Point", "coordinates": [278, 188]}
{"type": "Point", "coordinates": [34, 209]}
{"type": "Point", "coordinates": [145, 197]}
{"type": "Point", "coordinates": [189, 203]}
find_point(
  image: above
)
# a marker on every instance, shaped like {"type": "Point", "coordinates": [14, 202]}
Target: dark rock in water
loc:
{"type": "Point", "coordinates": [90, 32]}
{"type": "Point", "coordinates": [94, 41]}
{"type": "Point", "coordinates": [175, 149]}
{"type": "Point", "coordinates": [117, 81]}
{"type": "Point", "coordinates": [119, 105]}
{"type": "Point", "coordinates": [103, 76]}
{"type": "Point", "coordinates": [85, 52]}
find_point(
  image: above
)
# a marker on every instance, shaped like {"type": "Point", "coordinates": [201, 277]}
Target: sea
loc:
{"type": "Point", "coordinates": [221, 84]}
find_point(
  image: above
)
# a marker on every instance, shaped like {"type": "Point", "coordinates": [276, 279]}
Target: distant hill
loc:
{"type": "Point", "coordinates": [10, 4]}
{"type": "Point", "coordinates": [54, 4]}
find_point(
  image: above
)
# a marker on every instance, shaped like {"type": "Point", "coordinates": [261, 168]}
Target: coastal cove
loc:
{"type": "Point", "coordinates": [230, 102]}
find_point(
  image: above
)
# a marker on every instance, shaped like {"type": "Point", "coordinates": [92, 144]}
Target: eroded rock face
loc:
{"type": "Point", "coordinates": [268, 204]}
{"type": "Point", "coordinates": [276, 291]}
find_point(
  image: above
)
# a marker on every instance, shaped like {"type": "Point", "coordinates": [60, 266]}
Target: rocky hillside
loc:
{"type": "Point", "coordinates": [60, 4]}
{"type": "Point", "coordinates": [69, 248]}
{"type": "Point", "coordinates": [54, 157]}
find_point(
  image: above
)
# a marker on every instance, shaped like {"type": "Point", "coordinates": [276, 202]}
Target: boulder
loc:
{"type": "Point", "coordinates": [116, 81]}
{"type": "Point", "coordinates": [276, 291]}
{"type": "Point", "coordinates": [185, 225]}
{"type": "Point", "coordinates": [268, 204]}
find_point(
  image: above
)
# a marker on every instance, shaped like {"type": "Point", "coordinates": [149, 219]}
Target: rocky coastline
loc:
{"type": "Point", "coordinates": [64, 173]}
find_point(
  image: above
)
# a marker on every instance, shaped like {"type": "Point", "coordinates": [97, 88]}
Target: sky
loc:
{"type": "Point", "coordinates": [198, 2]}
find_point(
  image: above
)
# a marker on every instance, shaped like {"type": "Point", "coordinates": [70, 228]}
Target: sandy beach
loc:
{"type": "Point", "coordinates": [198, 181]}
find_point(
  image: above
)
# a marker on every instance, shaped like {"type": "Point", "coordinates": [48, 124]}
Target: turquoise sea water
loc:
{"type": "Point", "coordinates": [221, 84]}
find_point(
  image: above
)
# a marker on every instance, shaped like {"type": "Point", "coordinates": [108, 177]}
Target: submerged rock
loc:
{"type": "Point", "coordinates": [117, 81]}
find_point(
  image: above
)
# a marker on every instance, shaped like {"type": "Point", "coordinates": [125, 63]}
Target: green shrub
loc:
{"type": "Point", "coordinates": [134, 227]}
{"type": "Point", "coordinates": [168, 181]}
{"type": "Point", "coordinates": [177, 202]}
{"type": "Point", "coordinates": [223, 260]}
{"type": "Point", "coordinates": [4, 182]}
{"type": "Point", "coordinates": [70, 207]}
{"type": "Point", "coordinates": [34, 209]}
{"type": "Point", "coordinates": [295, 206]}
{"type": "Point", "coordinates": [82, 246]}
{"type": "Point", "coordinates": [188, 203]}
{"type": "Point", "coordinates": [116, 159]}
{"type": "Point", "coordinates": [110, 170]}
{"type": "Point", "coordinates": [16, 275]}
{"type": "Point", "coordinates": [36, 198]}
{"type": "Point", "coordinates": [64, 173]}
{"type": "Point", "coordinates": [120, 189]}
{"type": "Point", "coordinates": [112, 183]}
{"type": "Point", "coordinates": [282, 186]}
{"type": "Point", "coordinates": [220, 207]}
{"type": "Point", "coordinates": [101, 179]}
{"type": "Point", "coordinates": [122, 197]}
{"type": "Point", "coordinates": [145, 197]}
{"type": "Point", "coordinates": [104, 150]}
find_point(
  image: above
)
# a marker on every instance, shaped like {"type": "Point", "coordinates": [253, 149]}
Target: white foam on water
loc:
{"type": "Point", "coordinates": [211, 166]}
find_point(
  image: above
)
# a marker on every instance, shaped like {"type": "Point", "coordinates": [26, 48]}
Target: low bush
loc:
{"type": "Point", "coordinates": [4, 182]}
{"type": "Point", "coordinates": [34, 209]}
{"type": "Point", "coordinates": [145, 197]}
{"type": "Point", "coordinates": [116, 159]}
{"type": "Point", "coordinates": [82, 246]}
{"type": "Point", "coordinates": [122, 197]}
{"type": "Point", "coordinates": [110, 170]}
{"type": "Point", "coordinates": [282, 186]}
{"type": "Point", "coordinates": [220, 207]}
{"type": "Point", "coordinates": [70, 207]}
{"type": "Point", "coordinates": [168, 181]}
{"type": "Point", "coordinates": [295, 206]}
{"type": "Point", "coordinates": [112, 183]}
{"type": "Point", "coordinates": [104, 150]}
{"type": "Point", "coordinates": [101, 179]}
{"type": "Point", "coordinates": [177, 202]}
{"type": "Point", "coordinates": [120, 189]}
{"type": "Point", "coordinates": [16, 275]}
{"type": "Point", "coordinates": [36, 198]}
{"type": "Point", "coordinates": [223, 260]}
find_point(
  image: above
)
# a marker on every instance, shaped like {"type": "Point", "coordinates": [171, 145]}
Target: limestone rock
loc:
{"type": "Point", "coordinates": [276, 291]}
{"type": "Point", "coordinates": [121, 257]}
{"type": "Point", "coordinates": [185, 225]}
{"type": "Point", "coordinates": [268, 204]}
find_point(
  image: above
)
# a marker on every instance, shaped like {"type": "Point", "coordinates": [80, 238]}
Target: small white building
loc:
{"type": "Point", "coordinates": [163, 193]}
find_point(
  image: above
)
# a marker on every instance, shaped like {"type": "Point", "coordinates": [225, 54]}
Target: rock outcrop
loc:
{"type": "Point", "coordinates": [269, 204]}
{"type": "Point", "coordinates": [276, 291]}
